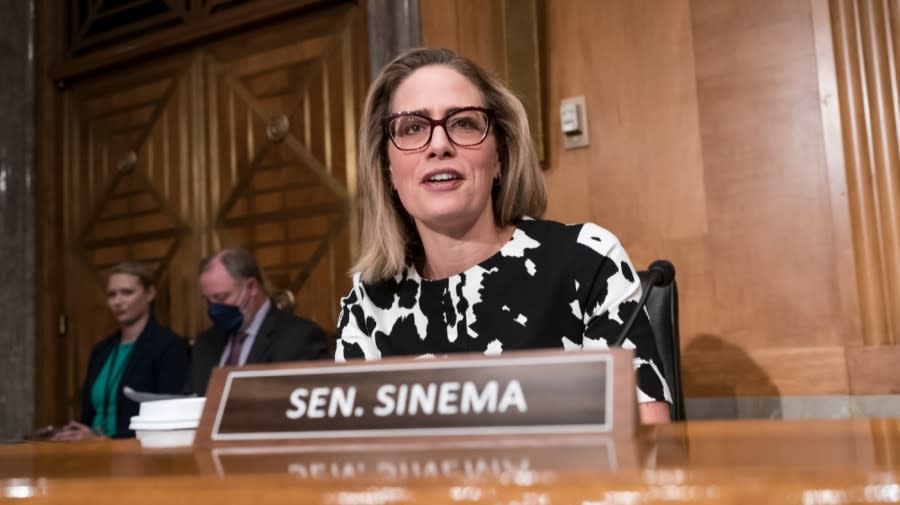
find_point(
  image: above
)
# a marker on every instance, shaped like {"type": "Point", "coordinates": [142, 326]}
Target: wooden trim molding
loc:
{"type": "Point", "coordinates": [50, 323]}
{"type": "Point", "coordinates": [194, 26]}
{"type": "Point", "coordinates": [729, 371]}
{"type": "Point", "coordinates": [866, 37]}
{"type": "Point", "coordinates": [842, 240]}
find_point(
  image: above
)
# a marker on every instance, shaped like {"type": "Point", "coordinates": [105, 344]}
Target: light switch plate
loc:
{"type": "Point", "coordinates": [570, 118]}
{"type": "Point", "coordinates": [574, 120]}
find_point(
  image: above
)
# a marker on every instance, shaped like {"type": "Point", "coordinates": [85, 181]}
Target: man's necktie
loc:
{"type": "Point", "coordinates": [237, 343]}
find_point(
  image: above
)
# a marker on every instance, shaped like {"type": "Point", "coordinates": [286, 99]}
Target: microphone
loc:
{"type": "Point", "coordinates": [660, 273]}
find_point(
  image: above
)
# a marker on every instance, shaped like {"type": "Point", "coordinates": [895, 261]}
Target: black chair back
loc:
{"type": "Point", "coordinates": [662, 306]}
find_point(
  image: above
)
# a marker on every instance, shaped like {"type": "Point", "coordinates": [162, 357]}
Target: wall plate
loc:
{"type": "Point", "coordinates": [579, 137]}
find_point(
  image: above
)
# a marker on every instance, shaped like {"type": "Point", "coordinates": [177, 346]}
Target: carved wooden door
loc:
{"type": "Point", "coordinates": [246, 141]}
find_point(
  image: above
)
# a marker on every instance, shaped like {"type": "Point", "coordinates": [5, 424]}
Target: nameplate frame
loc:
{"type": "Point", "coordinates": [517, 393]}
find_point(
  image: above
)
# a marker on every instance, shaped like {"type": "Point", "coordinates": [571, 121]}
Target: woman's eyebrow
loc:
{"type": "Point", "coordinates": [424, 112]}
{"type": "Point", "coordinates": [418, 112]}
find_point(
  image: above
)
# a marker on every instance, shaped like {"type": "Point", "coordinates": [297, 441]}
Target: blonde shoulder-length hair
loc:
{"type": "Point", "coordinates": [389, 241]}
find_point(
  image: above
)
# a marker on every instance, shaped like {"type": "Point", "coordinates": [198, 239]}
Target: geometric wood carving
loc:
{"type": "Point", "coordinates": [280, 112]}
{"type": "Point", "coordinates": [119, 125]}
{"type": "Point", "coordinates": [132, 223]}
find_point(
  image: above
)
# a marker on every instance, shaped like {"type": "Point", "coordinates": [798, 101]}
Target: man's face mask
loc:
{"type": "Point", "coordinates": [227, 318]}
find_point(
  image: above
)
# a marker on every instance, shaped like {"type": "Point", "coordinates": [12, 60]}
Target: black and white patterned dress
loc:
{"type": "Point", "coordinates": [550, 286]}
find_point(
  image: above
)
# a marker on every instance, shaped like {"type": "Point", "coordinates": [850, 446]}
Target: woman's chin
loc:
{"type": "Point", "coordinates": [453, 215]}
{"type": "Point", "coordinates": [128, 320]}
{"type": "Point", "coordinates": [447, 219]}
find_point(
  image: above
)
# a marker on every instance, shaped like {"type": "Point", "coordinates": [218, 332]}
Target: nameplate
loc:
{"type": "Point", "coordinates": [516, 393]}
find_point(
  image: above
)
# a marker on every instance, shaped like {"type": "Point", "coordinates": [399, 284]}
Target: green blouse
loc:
{"type": "Point", "coordinates": [105, 391]}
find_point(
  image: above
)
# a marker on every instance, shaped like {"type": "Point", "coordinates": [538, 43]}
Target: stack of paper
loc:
{"type": "Point", "coordinates": [167, 423]}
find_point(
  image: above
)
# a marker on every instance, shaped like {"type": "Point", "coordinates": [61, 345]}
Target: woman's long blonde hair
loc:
{"type": "Point", "coordinates": [389, 237]}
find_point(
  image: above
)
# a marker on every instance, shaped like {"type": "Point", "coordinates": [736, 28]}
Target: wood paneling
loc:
{"type": "Point", "coordinates": [866, 39]}
{"type": "Point", "coordinates": [768, 192]}
{"type": "Point", "coordinates": [102, 35]}
{"type": "Point", "coordinates": [501, 35]}
{"type": "Point", "coordinates": [50, 365]}
{"type": "Point", "coordinates": [710, 368]}
{"type": "Point", "coordinates": [471, 27]}
{"type": "Point", "coordinates": [286, 199]}
{"type": "Point", "coordinates": [638, 90]}
{"type": "Point", "coordinates": [873, 370]}
{"type": "Point", "coordinates": [710, 152]}
{"type": "Point", "coordinates": [716, 142]}
{"type": "Point", "coordinates": [842, 230]}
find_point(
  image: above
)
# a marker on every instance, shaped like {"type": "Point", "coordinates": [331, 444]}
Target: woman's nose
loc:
{"type": "Point", "coordinates": [440, 144]}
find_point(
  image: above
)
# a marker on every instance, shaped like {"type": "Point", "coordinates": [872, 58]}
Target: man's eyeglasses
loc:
{"type": "Point", "coordinates": [411, 131]}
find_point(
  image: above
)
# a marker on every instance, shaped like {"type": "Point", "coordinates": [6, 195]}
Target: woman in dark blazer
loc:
{"type": "Point", "coordinates": [143, 355]}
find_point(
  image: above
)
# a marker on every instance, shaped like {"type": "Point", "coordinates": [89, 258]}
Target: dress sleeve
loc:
{"type": "Point", "coordinates": [609, 289]}
{"type": "Point", "coordinates": [355, 327]}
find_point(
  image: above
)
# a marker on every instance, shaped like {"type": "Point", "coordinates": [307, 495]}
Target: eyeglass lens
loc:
{"type": "Point", "coordinates": [464, 128]}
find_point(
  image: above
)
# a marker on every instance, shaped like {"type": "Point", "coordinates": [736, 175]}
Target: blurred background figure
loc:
{"type": "Point", "coordinates": [247, 327]}
{"type": "Point", "coordinates": [142, 354]}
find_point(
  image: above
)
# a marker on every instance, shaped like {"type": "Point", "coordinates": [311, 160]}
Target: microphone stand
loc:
{"type": "Point", "coordinates": [654, 279]}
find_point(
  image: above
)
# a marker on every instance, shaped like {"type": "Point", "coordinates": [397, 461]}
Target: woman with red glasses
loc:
{"type": "Point", "coordinates": [453, 256]}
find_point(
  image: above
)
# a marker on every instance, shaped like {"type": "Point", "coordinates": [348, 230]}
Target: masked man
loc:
{"type": "Point", "coordinates": [247, 328]}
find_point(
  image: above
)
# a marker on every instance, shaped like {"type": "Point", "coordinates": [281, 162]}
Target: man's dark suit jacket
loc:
{"type": "Point", "coordinates": [157, 364]}
{"type": "Point", "coordinates": [281, 337]}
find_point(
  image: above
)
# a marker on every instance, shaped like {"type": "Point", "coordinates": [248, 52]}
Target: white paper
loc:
{"type": "Point", "coordinates": [139, 396]}
{"type": "Point", "coordinates": [174, 438]}
{"type": "Point", "coordinates": [163, 426]}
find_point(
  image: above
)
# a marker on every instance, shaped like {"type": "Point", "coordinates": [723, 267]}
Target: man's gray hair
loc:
{"type": "Point", "coordinates": [239, 263]}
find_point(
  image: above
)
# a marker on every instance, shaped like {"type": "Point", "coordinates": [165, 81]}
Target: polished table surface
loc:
{"type": "Point", "coordinates": [826, 462]}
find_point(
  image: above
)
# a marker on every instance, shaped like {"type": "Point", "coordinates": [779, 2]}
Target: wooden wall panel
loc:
{"type": "Point", "coordinates": [716, 161]}
{"type": "Point", "coordinates": [286, 199]}
{"type": "Point", "coordinates": [767, 187]}
{"type": "Point", "coordinates": [873, 370]}
{"type": "Point", "coordinates": [501, 35]}
{"type": "Point", "coordinates": [709, 121]}
{"type": "Point", "coordinates": [470, 27]}
{"type": "Point", "coordinates": [639, 87]}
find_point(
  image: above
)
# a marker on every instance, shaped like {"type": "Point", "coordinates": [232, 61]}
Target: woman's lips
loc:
{"type": "Point", "coordinates": [441, 175]}
{"type": "Point", "coordinates": [442, 180]}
